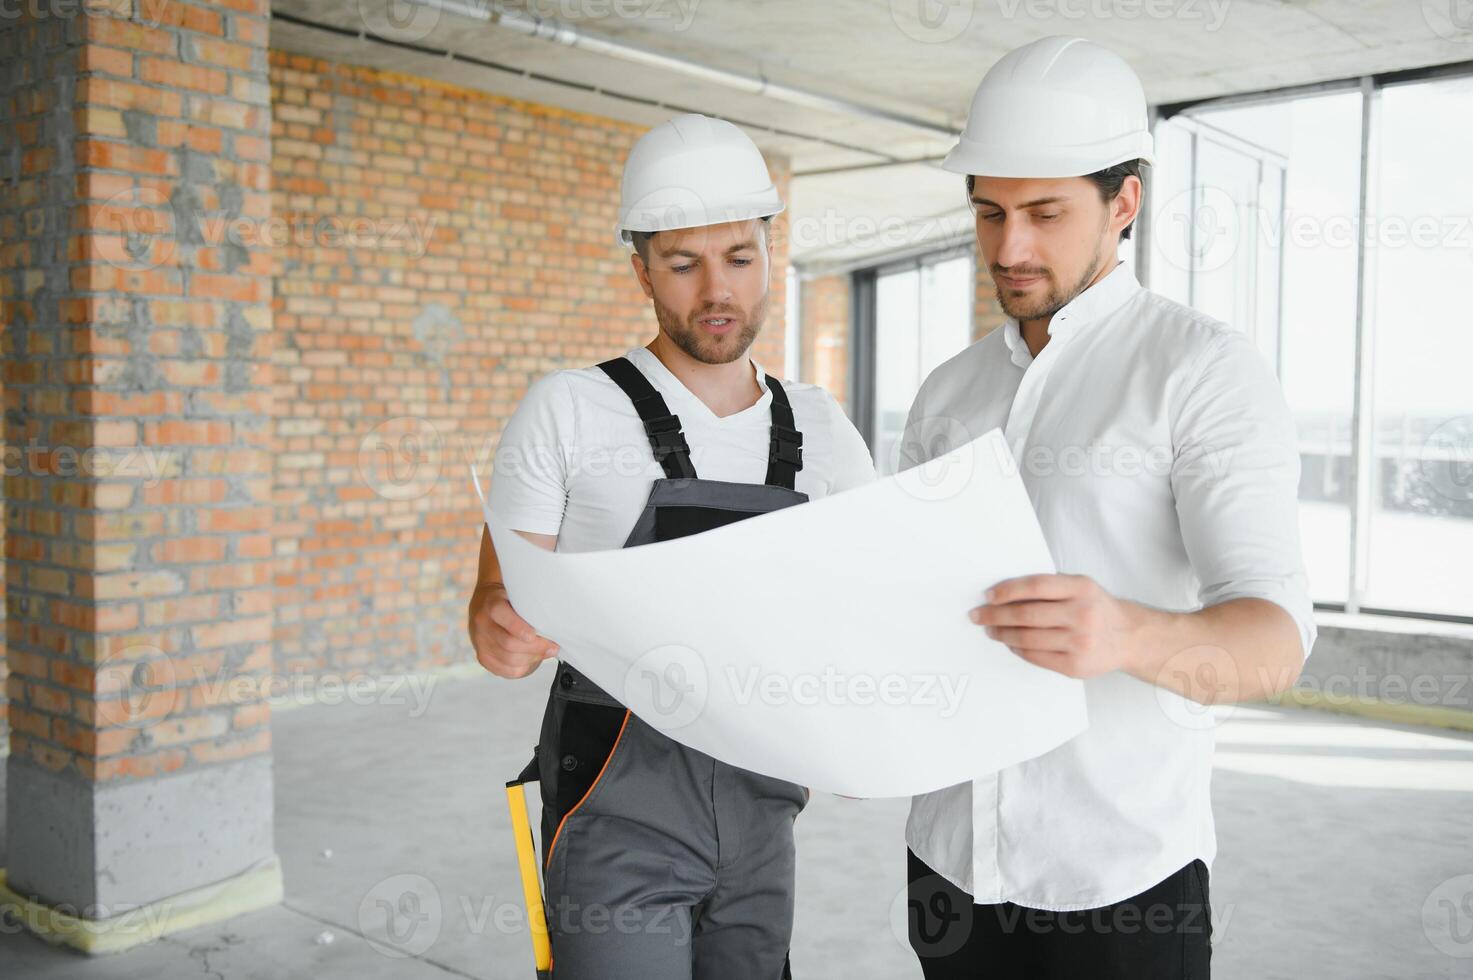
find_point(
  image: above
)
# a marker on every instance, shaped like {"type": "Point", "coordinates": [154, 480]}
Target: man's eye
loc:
{"type": "Point", "coordinates": [1048, 217]}
{"type": "Point", "coordinates": [741, 262]}
{"type": "Point", "coordinates": [992, 216]}
{"type": "Point", "coordinates": [680, 269]}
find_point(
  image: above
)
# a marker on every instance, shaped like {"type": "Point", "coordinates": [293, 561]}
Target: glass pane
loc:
{"type": "Point", "coordinates": [897, 359]}
{"type": "Point", "coordinates": [1421, 276]}
{"type": "Point", "coordinates": [1310, 331]}
{"type": "Point", "coordinates": [922, 317]}
{"type": "Point", "coordinates": [1230, 226]}
{"type": "Point", "coordinates": [946, 312]}
{"type": "Point", "coordinates": [1169, 183]}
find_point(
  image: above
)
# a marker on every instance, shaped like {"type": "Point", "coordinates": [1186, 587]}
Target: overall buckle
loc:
{"type": "Point", "coordinates": [786, 446]}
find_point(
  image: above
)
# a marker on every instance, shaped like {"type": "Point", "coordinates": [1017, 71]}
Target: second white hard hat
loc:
{"type": "Point", "coordinates": [693, 170]}
{"type": "Point", "coordinates": [1057, 107]}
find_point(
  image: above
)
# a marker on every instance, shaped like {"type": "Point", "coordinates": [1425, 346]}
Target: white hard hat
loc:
{"type": "Point", "coordinates": [1057, 107]}
{"type": "Point", "coordinates": [692, 171]}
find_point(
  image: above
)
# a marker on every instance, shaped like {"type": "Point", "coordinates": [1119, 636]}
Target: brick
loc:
{"type": "Point", "coordinates": [231, 632]}
{"type": "Point", "coordinates": [131, 34]}
{"type": "Point", "coordinates": [145, 766]}
{"type": "Point", "coordinates": [225, 54]}
{"type": "Point", "coordinates": [111, 61]}
{"type": "Point", "coordinates": [118, 94]}
{"type": "Point", "coordinates": [238, 748]}
{"type": "Point", "coordinates": [175, 731]}
{"type": "Point", "coordinates": [130, 585]}
{"type": "Point", "coordinates": [175, 75]}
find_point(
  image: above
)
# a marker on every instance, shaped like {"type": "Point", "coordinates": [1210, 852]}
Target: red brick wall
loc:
{"type": "Point", "coordinates": [824, 337]}
{"type": "Point", "coordinates": [986, 314]}
{"type": "Point", "coordinates": [132, 324]}
{"type": "Point", "coordinates": [393, 369]}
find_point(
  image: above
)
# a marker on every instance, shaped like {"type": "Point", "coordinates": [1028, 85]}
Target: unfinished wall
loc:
{"type": "Point", "coordinates": [443, 248]}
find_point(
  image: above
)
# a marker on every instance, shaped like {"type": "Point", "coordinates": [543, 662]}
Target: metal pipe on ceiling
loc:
{"type": "Point", "coordinates": [558, 32]}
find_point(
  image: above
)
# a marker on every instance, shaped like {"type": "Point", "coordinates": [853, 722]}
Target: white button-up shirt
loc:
{"type": "Point", "coordinates": [1160, 457]}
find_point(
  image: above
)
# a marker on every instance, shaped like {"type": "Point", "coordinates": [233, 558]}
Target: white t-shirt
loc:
{"type": "Point", "coordinates": [574, 459]}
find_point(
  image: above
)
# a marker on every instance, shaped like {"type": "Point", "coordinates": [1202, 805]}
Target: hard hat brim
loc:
{"type": "Point", "coordinates": [657, 220]}
{"type": "Point", "coordinates": [992, 160]}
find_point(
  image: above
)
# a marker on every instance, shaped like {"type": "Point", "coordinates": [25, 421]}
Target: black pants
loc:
{"type": "Point", "coordinates": [1164, 933]}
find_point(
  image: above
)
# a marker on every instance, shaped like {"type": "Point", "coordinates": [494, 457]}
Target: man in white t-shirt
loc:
{"type": "Point", "coordinates": [660, 861]}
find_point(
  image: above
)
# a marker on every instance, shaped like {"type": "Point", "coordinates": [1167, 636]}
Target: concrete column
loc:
{"type": "Point", "coordinates": [136, 286]}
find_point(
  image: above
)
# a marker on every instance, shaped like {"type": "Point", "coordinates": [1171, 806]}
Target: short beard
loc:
{"type": "Point", "coordinates": [1053, 299]}
{"type": "Point", "coordinates": [712, 350]}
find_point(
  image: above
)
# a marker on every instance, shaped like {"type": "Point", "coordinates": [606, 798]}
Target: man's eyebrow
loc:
{"type": "Point", "coordinates": [984, 202]}
{"type": "Point", "coordinates": [687, 253]}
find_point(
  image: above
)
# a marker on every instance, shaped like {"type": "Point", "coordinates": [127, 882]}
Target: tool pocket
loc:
{"type": "Point", "coordinates": [580, 731]}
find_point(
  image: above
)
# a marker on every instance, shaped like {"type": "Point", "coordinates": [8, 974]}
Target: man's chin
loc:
{"type": "Point", "coordinates": [722, 349]}
{"type": "Point", "coordinates": [1031, 311]}
{"type": "Point", "coordinates": [708, 352]}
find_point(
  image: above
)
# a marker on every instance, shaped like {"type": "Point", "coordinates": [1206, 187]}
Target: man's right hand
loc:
{"type": "Point", "coordinates": [505, 643]}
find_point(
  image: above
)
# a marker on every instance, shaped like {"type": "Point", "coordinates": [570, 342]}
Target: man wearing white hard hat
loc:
{"type": "Point", "coordinates": [660, 861]}
{"type": "Point", "coordinates": [1160, 456]}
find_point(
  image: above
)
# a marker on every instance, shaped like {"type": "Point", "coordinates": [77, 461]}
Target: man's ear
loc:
{"type": "Point", "coordinates": [642, 274]}
{"type": "Point", "coordinates": [1127, 204]}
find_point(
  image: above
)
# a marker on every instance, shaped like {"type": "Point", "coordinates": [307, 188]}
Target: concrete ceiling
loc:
{"type": "Point", "coordinates": [913, 60]}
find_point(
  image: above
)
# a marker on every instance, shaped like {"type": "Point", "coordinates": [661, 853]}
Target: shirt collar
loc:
{"type": "Point", "coordinates": [1089, 307]}
{"type": "Point", "coordinates": [644, 357]}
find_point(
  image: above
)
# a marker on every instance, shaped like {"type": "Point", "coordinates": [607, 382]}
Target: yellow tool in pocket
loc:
{"type": "Point", "coordinates": [521, 829]}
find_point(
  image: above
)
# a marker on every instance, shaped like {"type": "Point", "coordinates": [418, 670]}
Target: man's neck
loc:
{"type": "Point", "coordinates": [1035, 332]}
{"type": "Point", "coordinates": [724, 388]}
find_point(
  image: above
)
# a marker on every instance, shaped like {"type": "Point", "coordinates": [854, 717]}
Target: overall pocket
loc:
{"type": "Point", "coordinates": [579, 739]}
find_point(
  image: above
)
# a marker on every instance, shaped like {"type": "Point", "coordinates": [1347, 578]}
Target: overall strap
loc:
{"type": "Point", "coordinates": [785, 449]}
{"type": "Point", "coordinates": [672, 452]}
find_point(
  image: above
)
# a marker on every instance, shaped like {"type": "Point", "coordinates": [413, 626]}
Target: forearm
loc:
{"type": "Point", "coordinates": [1240, 650]}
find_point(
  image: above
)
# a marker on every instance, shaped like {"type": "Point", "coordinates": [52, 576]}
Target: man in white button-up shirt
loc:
{"type": "Point", "coordinates": [1160, 457]}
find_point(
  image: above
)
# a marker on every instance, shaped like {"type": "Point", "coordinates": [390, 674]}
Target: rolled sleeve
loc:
{"type": "Point", "coordinates": [1235, 476]}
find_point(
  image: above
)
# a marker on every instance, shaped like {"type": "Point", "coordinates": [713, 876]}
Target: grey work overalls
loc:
{"type": "Point", "coordinates": [659, 861]}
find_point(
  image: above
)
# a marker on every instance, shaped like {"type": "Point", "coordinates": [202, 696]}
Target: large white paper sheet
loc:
{"type": "Point", "coordinates": [827, 644]}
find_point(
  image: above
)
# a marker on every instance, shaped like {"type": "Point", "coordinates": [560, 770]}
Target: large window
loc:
{"type": "Point", "coordinates": [1333, 228]}
{"type": "Point", "coordinates": [1419, 540]}
{"type": "Point", "coordinates": [921, 315]}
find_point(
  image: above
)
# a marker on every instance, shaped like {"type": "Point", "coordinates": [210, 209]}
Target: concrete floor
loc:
{"type": "Point", "coordinates": [1341, 847]}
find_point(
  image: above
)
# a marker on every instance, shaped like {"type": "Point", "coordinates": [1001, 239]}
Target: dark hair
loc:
{"type": "Point", "coordinates": [1108, 181]}
{"type": "Point", "coordinates": [642, 240]}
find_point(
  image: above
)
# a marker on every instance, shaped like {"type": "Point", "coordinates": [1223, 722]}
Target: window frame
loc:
{"type": "Point", "coordinates": [863, 326]}
{"type": "Point", "coordinates": [1363, 459]}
